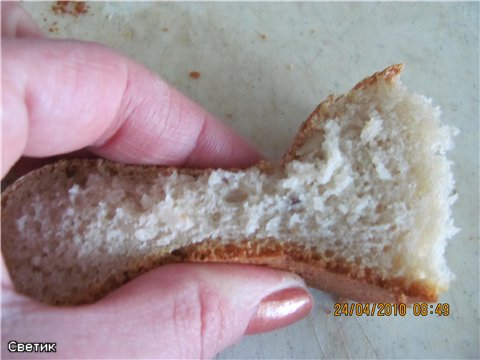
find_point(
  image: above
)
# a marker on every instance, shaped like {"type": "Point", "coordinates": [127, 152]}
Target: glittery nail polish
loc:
{"type": "Point", "coordinates": [280, 309]}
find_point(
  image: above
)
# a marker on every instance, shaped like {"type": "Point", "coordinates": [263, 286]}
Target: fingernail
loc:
{"type": "Point", "coordinates": [280, 309]}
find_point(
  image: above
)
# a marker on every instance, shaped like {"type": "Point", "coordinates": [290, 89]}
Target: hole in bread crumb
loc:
{"type": "Point", "coordinates": [215, 217]}
{"type": "Point", "coordinates": [70, 171]}
{"type": "Point", "coordinates": [236, 195]}
{"type": "Point", "coordinates": [358, 260]}
{"type": "Point", "coordinates": [329, 253]}
{"type": "Point", "coordinates": [112, 171]}
{"type": "Point", "coordinates": [179, 253]}
{"type": "Point", "coordinates": [294, 200]}
{"type": "Point", "coordinates": [110, 213]}
{"type": "Point", "coordinates": [379, 208]}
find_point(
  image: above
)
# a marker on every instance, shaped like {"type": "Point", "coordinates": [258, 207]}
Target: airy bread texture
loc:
{"type": "Point", "coordinates": [359, 206]}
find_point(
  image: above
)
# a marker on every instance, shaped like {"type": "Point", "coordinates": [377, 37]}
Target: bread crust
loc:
{"type": "Point", "coordinates": [323, 111]}
{"type": "Point", "coordinates": [317, 269]}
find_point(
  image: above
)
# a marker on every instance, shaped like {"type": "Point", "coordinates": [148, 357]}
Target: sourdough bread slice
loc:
{"type": "Point", "coordinates": [359, 206]}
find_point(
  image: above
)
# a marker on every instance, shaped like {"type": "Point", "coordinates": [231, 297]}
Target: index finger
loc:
{"type": "Point", "coordinates": [60, 96]}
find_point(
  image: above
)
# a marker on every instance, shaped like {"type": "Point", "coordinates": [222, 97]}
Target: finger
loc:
{"type": "Point", "coordinates": [176, 311]}
{"type": "Point", "coordinates": [60, 96]}
{"type": "Point", "coordinates": [16, 22]}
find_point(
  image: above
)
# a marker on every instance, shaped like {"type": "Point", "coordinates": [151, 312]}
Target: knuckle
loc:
{"type": "Point", "coordinates": [200, 317]}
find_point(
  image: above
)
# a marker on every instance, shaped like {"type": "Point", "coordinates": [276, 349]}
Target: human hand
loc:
{"type": "Point", "coordinates": [62, 96]}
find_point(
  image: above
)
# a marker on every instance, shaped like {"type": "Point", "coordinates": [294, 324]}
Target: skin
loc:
{"type": "Point", "coordinates": [68, 96]}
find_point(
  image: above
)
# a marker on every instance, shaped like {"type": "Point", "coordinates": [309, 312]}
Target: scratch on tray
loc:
{"type": "Point", "coordinates": [314, 59]}
{"type": "Point", "coordinates": [454, 302]}
{"type": "Point", "coordinates": [342, 340]}
{"type": "Point", "coordinates": [431, 347]}
{"type": "Point", "coordinates": [307, 69]}
{"type": "Point", "coordinates": [366, 337]}
{"type": "Point", "coordinates": [318, 338]}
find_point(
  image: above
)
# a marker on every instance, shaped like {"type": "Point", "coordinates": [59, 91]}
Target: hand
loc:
{"type": "Point", "coordinates": [62, 96]}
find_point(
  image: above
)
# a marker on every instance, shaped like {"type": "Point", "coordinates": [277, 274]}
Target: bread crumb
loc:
{"type": "Point", "coordinates": [194, 75]}
{"type": "Point", "coordinates": [263, 36]}
{"type": "Point", "coordinates": [74, 8]}
{"type": "Point", "coordinates": [165, 29]}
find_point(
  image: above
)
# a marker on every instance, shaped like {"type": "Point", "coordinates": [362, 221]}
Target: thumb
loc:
{"type": "Point", "coordinates": [177, 311]}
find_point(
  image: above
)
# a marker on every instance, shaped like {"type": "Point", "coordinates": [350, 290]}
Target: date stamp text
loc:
{"type": "Point", "coordinates": [391, 309]}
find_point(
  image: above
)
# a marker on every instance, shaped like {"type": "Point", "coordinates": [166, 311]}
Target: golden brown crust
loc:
{"type": "Point", "coordinates": [389, 74]}
{"type": "Point", "coordinates": [323, 111]}
{"type": "Point", "coordinates": [317, 269]}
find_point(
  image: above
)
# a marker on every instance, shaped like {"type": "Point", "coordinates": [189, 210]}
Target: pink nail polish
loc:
{"type": "Point", "coordinates": [279, 310]}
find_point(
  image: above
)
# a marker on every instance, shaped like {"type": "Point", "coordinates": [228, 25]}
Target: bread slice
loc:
{"type": "Point", "coordinates": [359, 206]}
